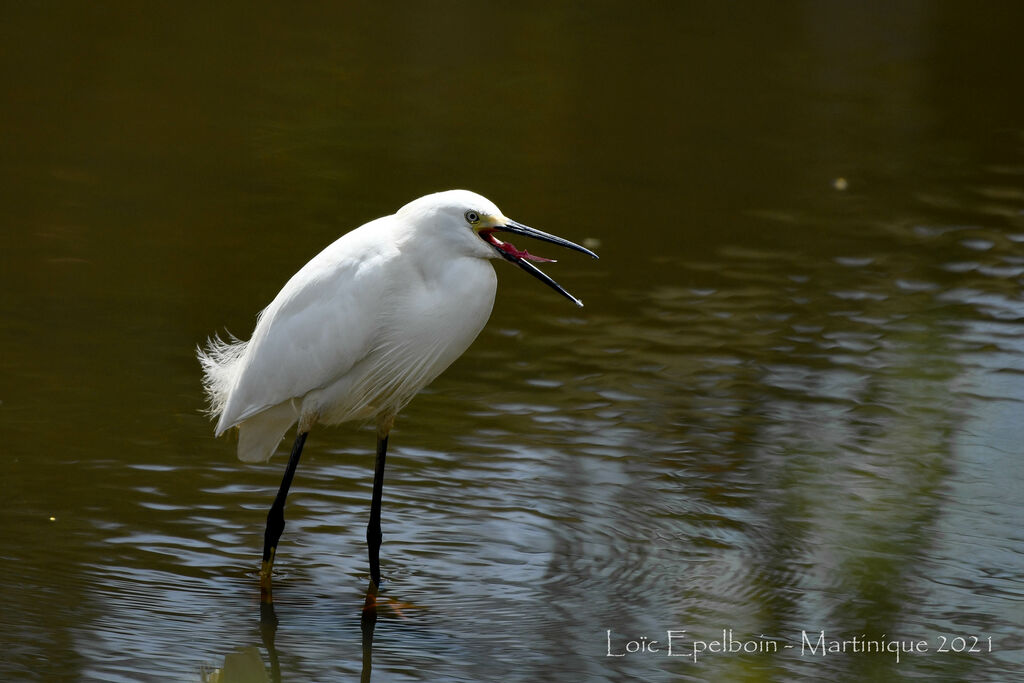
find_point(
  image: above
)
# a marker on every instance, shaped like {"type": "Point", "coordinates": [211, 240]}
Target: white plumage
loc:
{"type": "Point", "coordinates": [361, 328]}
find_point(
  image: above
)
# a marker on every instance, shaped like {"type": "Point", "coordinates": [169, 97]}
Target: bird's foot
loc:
{"type": "Point", "coordinates": [266, 584]}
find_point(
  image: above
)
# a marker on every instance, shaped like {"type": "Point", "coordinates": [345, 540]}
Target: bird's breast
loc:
{"type": "Point", "coordinates": [447, 309]}
{"type": "Point", "coordinates": [425, 325]}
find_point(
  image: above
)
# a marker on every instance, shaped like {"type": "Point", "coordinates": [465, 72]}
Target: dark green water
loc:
{"type": "Point", "coordinates": [791, 405]}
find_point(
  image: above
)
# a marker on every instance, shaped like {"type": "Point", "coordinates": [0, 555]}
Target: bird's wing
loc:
{"type": "Point", "coordinates": [321, 323]}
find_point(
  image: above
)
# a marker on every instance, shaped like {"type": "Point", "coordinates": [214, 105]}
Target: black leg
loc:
{"type": "Point", "coordinates": [275, 518]}
{"type": "Point", "coordinates": [373, 533]}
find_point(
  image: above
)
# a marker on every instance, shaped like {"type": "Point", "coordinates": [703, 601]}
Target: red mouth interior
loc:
{"type": "Point", "coordinates": [510, 249]}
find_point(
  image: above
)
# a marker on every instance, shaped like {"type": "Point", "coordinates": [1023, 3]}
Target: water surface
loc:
{"type": "Point", "coordinates": [790, 406]}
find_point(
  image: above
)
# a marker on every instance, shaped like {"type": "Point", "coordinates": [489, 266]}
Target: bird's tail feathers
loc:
{"type": "Point", "coordinates": [259, 436]}
{"type": "Point", "coordinates": [219, 360]}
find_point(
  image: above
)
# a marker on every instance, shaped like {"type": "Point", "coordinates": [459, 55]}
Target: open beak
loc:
{"type": "Point", "coordinates": [523, 258]}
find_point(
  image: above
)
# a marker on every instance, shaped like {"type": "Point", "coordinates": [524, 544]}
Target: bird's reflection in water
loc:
{"type": "Point", "coordinates": [247, 665]}
{"type": "Point", "coordinates": [368, 623]}
{"type": "Point", "coordinates": [268, 630]}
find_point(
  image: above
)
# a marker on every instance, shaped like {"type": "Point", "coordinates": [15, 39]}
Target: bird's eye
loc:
{"type": "Point", "coordinates": [472, 217]}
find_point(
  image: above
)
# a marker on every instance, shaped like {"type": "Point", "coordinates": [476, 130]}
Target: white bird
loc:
{"type": "Point", "coordinates": [360, 329]}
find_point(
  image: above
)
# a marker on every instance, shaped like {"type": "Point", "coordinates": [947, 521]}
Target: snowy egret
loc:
{"type": "Point", "coordinates": [360, 329]}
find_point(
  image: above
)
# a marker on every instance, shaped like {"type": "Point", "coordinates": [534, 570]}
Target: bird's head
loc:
{"type": "Point", "coordinates": [478, 217]}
